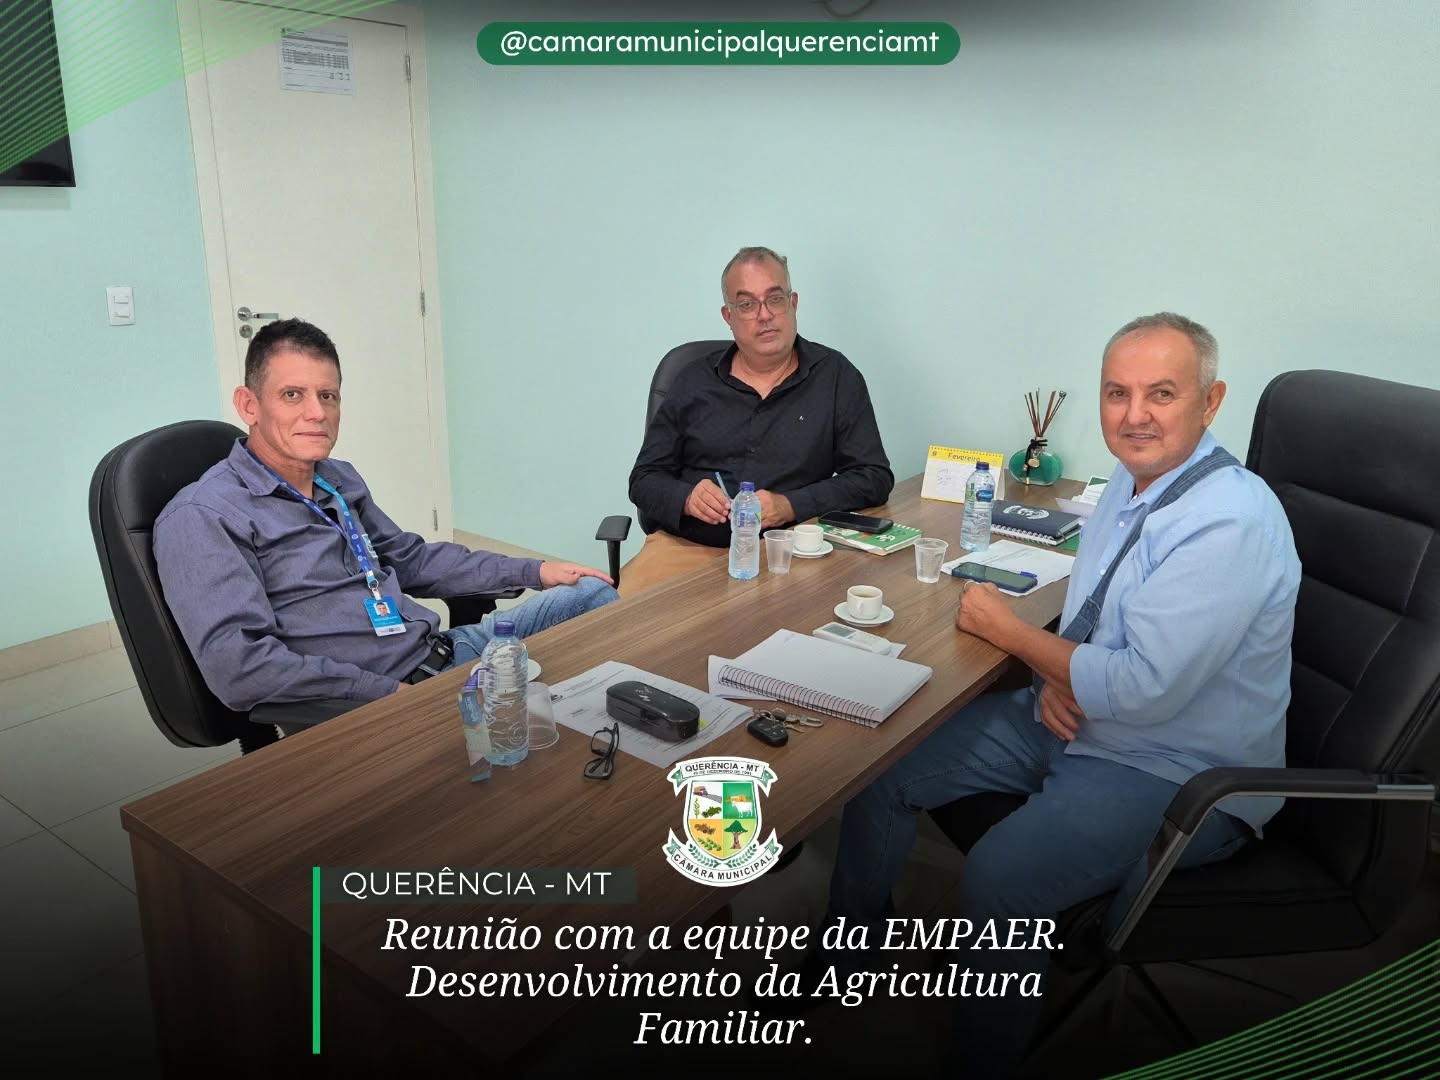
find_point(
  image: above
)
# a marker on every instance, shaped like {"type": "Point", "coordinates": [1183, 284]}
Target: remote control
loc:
{"type": "Point", "coordinates": [848, 635]}
{"type": "Point", "coordinates": [769, 730]}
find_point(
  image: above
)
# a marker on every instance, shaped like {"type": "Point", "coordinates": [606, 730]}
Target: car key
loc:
{"type": "Point", "coordinates": [768, 729]}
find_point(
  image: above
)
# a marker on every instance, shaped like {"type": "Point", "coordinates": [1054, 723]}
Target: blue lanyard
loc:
{"type": "Point", "coordinates": [350, 530]}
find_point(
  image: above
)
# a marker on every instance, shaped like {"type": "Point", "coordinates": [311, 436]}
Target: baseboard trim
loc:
{"type": "Point", "coordinates": [476, 542]}
{"type": "Point", "coordinates": [46, 652]}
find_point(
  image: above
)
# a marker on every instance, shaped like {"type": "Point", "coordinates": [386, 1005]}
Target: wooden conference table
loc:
{"type": "Point", "coordinates": [223, 860]}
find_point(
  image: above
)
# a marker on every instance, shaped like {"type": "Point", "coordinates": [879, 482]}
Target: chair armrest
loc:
{"type": "Point", "coordinates": [613, 530]}
{"type": "Point", "coordinates": [1203, 791]}
{"type": "Point", "coordinates": [288, 715]}
{"type": "Point", "coordinates": [616, 527]}
{"type": "Point", "coordinates": [1200, 794]}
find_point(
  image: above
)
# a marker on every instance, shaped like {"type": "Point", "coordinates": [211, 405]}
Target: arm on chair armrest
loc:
{"type": "Point", "coordinates": [293, 715]}
{"type": "Point", "coordinates": [613, 530]}
{"type": "Point", "coordinates": [1203, 791]}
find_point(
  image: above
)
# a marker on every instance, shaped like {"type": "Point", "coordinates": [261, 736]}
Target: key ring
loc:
{"type": "Point", "coordinates": [794, 723]}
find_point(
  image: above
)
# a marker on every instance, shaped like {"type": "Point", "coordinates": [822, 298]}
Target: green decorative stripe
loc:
{"type": "Point", "coordinates": [1385, 1025]}
{"type": "Point", "coordinates": [315, 960]}
{"type": "Point", "coordinates": [116, 52]}
{"type": "Point", "coordinates": [1275, 1042]}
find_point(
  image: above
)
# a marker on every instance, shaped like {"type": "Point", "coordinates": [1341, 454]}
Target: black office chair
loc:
{"type": "Point", "coordinates": [129, 488]}
{"type": "Point", "coordinates": [1342, 858]}
{"type": "Point", "coordinates": [614, 529]}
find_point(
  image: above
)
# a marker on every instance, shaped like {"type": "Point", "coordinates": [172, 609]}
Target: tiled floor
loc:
{"type": "Point", "coordinates": [76, 743]}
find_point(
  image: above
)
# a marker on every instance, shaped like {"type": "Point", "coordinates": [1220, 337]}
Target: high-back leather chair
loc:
{"type": "Point", "coordinates": [129, 488]}
{"type": "Point", "coordinates": [614, 529]}
{"type": "Point", "coordinates": [1355, 462]}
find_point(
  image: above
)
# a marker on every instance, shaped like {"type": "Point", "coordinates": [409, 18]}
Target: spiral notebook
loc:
{"type": "Point", "coordinates": [1031, 523]}
{"type": "Point", "coordinates": [803, 670]}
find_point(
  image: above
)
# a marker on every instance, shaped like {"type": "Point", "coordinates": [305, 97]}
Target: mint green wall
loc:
{"type": "Point", "coordinates": [963, 233]}
{"type": "Point", "coordinates": [73, 386]}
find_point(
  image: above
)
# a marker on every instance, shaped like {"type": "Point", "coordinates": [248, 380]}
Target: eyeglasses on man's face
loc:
{"type": "Point", "coordinates": [747, 307]}
{"type": "Point", "coordinates": [603, 745]}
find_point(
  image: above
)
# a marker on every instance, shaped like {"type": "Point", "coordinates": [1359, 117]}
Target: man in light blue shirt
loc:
{"type": "Point", "coordinates": [1173, 657]}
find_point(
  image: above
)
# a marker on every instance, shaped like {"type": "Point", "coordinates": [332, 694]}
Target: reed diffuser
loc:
{"type": "Point", "coordinates": [1036, 464]}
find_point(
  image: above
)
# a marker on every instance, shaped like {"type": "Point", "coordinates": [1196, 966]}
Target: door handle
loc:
{"type": "Point", "coordinates": [245, 313]}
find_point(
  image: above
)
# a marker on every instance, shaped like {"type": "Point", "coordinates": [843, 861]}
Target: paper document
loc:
{"type": "Point", "coordinates": [580, 705]}
{"type": "Point", "coordinates": [948, 467]}
{"type": "Point", "coordinates": [1084, 503]}
{"type": "Point", "coordinates": [1094, 488]}
{"type": "Point", "coordinates": [320, 60]}
{"type": "Point", "coordinates": [1045, 566]}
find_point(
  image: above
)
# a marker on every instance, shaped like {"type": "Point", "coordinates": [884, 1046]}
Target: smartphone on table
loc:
{"type": "Point", "coordinates": [838, 519]}
{"type": "Point", "coordinates": [1005, 579]}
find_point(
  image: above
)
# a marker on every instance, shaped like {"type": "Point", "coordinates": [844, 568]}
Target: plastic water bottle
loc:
{"type": "Point", "coordinates": [507, 666]}
{"type": "Point", "coordinates": [745, 532]}
{"type": "Point", "coordinates": [979, 500]}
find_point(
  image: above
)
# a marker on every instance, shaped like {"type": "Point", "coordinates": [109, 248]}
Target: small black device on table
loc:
{"type": "Point", "coordinates": [768, 729]}
{"type": "Point", "coordinates": [774, 725]}
{"type": "Point", "coordinates": [837, 519]}
{"type": "Point", "coordinates": [652, 710]}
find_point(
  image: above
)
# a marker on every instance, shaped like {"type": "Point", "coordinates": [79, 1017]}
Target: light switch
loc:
{"type": "Point", "coordinates": [122, 305]}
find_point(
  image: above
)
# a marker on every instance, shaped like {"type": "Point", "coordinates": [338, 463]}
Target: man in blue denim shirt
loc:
{"type": "Point", "coordinates": [1184, 665]}
{"type": "Point", "coordinates": [289, 583]}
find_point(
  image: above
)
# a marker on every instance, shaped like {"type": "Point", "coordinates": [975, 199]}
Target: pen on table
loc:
{"type": "Point", "coordinates": [722, 484]}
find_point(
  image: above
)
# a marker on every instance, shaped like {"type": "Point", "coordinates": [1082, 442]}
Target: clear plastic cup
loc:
{"type": "Point", "coordinates": [779, 547]}
{"type": "Point", "coordinates": [929, 554]}
{"type": "Point", "coordinates": [541, 716]}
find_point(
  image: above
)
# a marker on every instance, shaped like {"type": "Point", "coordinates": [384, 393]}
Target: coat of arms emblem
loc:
{"type": "Point", "coordinates": [721, 842]}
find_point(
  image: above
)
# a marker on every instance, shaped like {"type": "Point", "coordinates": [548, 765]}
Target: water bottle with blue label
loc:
{"type": "Point", "coordinates": [979, 501]}
{"type": "Point", "coordinates": [477, 733]}
{"type": "Point", "coordinates": [745, 532]}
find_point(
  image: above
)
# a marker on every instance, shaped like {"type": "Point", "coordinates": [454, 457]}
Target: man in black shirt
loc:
{"type": "Point", "coordinates": [788, 414]}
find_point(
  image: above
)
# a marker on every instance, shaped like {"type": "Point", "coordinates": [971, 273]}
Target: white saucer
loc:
{"type": "Point", "coordinates": [843, 612]}
{"type": "Point", "coordinates": [531, 673]}
{"type": "Point", "coordinates": [825, 548]}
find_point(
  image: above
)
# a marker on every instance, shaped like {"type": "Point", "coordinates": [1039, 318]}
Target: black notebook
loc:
{"type": "Point", "coordinates": [1025, 522]}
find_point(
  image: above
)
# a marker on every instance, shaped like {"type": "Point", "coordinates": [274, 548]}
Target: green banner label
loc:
{"type": "Point", "coordinates": [800, 43]}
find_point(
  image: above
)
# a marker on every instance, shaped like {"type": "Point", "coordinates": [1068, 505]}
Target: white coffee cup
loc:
{"type": "Point", "coordinates": [808, 538]}
{"type": "Point", "coordinates": [864, 601]}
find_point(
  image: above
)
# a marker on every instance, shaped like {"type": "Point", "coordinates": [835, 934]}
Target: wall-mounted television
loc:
{"type": "Point", "coordinates": [32, 99]}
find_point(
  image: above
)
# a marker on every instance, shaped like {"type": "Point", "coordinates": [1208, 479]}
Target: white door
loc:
{"type": "Point", "coordinates": [311, 211]}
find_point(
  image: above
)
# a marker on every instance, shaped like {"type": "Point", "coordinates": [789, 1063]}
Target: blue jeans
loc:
{"type": "Point", "coordinates": [1083, 831]}
{"type": "Point", "coordinates": [550, 608]}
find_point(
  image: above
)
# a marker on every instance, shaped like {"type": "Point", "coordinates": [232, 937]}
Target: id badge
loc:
{"type": "Point", "coordinates": [384, 616]}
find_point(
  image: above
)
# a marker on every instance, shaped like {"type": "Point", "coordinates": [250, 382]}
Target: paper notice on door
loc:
{"type": "Point", "coordinates": [319, 61]}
